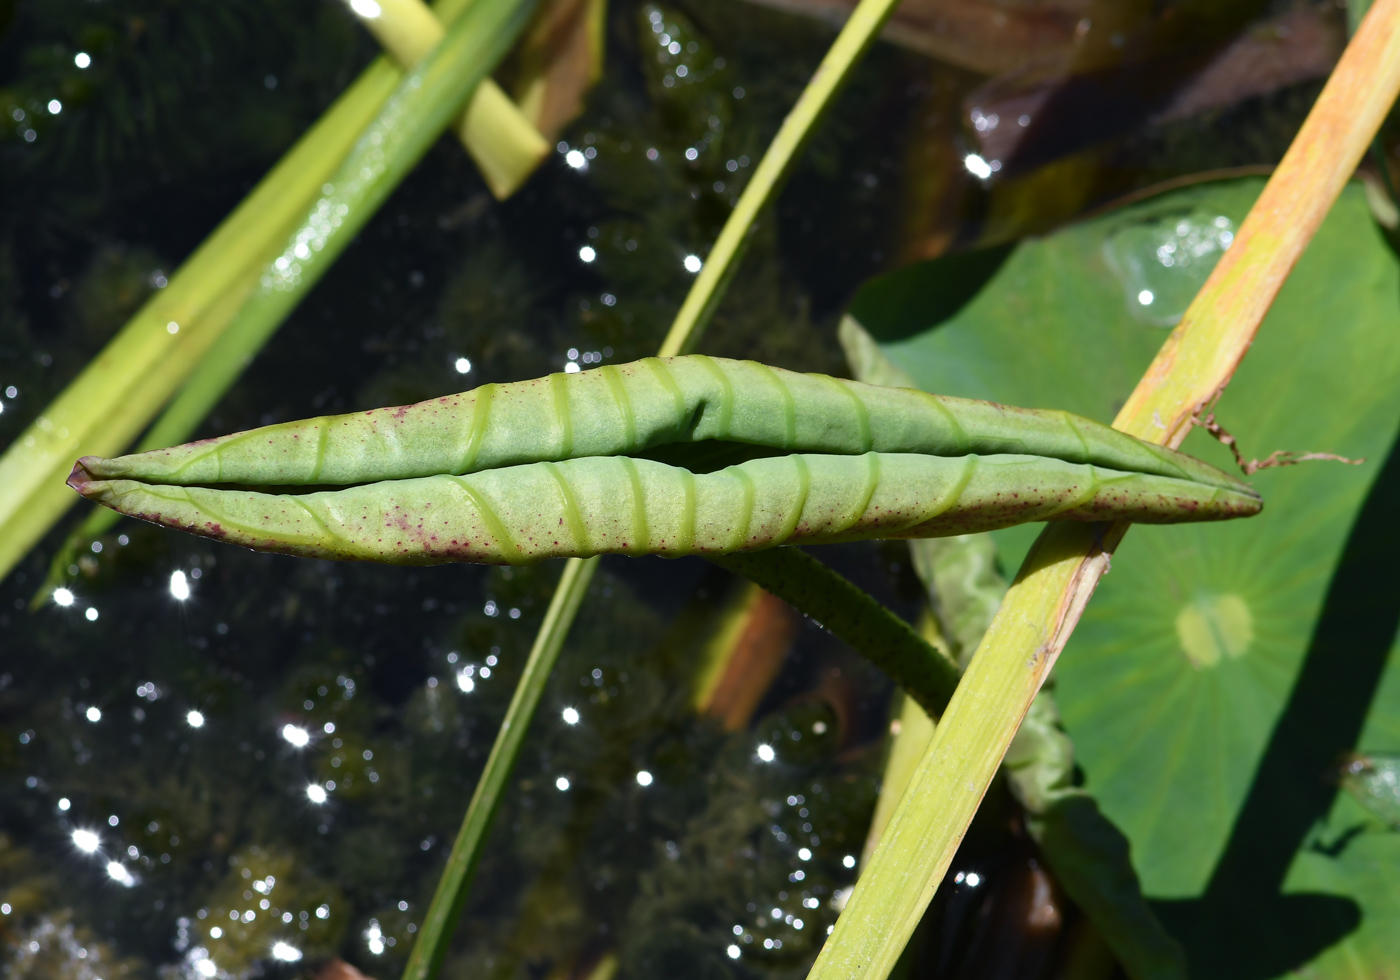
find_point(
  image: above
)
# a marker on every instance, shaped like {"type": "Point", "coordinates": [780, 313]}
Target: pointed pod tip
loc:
{"type": "Point", "coordinates": [82, 477]}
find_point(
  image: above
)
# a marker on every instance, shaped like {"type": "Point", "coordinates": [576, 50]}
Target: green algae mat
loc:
{"type": "Point", "coordinates": [1223, 675]}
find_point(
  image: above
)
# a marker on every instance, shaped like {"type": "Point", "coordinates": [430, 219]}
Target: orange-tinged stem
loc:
{"type": "Point", "coordinates": [1060, 574]}
{"type": "Point", "coordinates": [1202, 353]}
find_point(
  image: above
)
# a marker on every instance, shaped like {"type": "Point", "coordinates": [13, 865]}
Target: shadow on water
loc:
{"type": "Point", "coordinates": [1243, 926]}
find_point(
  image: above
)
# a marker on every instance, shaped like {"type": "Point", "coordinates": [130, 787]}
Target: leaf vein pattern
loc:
{"type": "Point", "coordinates": [314, 517]}
{"type": "Point", "coordinates": [804, 486]}
{"type": "Point", "coordinates": [1083, 442]}
{"type": "Point", "coordinates": [872, 481]}
{"type": "Point", "coordinates": [492, 520]}
{"type": "Point", "coordinates": [572, 515]}
{"type": "Point", "coordinates": [668, 381]}
{"type": "Point", "coordinates": [789, 406]}
{"type": "Point", "coordinates": [954, 426]}
{"type": "Point", "coordinates": [862, 414]}
{"type": "Point", "coordinates": [726, 393]}
{"type": "Point", "coordinates": [481, 411]}
{"type": "Point", "coordinates": [641, 534]}
{"type": "Point", "coordinates": [322, 442]}
{"type": "Point", "coordinates": [955, 492]}
{"type": "Point", "coordinates": [624, 403]}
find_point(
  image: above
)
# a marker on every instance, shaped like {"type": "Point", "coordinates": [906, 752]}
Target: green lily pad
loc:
{"type": "Point", "coordinates": [1222, 672]}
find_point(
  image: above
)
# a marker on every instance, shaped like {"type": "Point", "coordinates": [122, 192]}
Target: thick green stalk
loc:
{"type": "Point", "coordinates": [852, 614]}
{"type": "Point", "coordinates": [722, 262]}
{"type": "Point", "coordinates": [122, 388]}
{"type": "Point", "coordinates": [239, 323]}
{"type": "Point", "coordinates": [1060, 573]}
{"type": "Point", "coordinates": [431, 946]}
{"type": "Point", "coordinates": [390, 147]}
{"type": "Point", "coordinates": [857, 36]}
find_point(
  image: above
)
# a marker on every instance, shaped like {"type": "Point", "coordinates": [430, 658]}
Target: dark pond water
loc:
{"type": "Point", "coordinates": [213, 756]}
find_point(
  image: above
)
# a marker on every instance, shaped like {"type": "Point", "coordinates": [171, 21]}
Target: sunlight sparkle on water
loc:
{"type": "Point", "coordinates": [82, 59]}
{"type": "Point", "coordinates": [576, 159]}
{"type": "Point", "coordinates": [179, 586]}
{"type": "Point", "coordinates": [587, 253]}
{"type": "Point", "coordinates": [765, 753]}
{"type": "Point", "coordinates": [55, 107]}
{"type": "Point", "coordinates": [94, 714]}
{"type": "Point", "coordinates": [570, 716]}
{"type": "Point", "coordinates": [195, 719]}
{"type": "Point", "coordinates": [462, 365]}
{"type": "Point", "coordinates": [285, 952]}
{"type": "Point", "coordinates": [299, 737]}
{"type": "Point", "coordinates": [316, 793]}
{"type": "Point", "coordinates": [562, 784]}
{"type": "Point", "coordinates": [206, 968]}
{"type": "Point", "coordinates": [693, 264]}
{"type": "Point", "coordinates": [367, 9]}
{"type": "Point", "coordinates": [90, 615]}
{"type": "Point", "coordinates": [1145, 297]}
{"type": "Point", "coordinates": [976, 166]}
{"type": "Point", "coordinates": [86, 841]}
{"type": "Point", "coordinates": [644, 778]}
{"type": "Point", "coordinates": [63, 597]}
{"type": "Point", "coordinates": [118, 873]}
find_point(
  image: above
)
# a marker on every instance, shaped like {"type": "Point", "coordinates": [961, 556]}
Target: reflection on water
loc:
{"type": "Point", "coordinates": [1163, 263]}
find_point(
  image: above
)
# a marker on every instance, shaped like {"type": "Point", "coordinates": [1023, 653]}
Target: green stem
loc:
{"type": "Point", "coordinates": [723, 261]}
{"type": "Point", "coordinates": [504, 143]}
{"type": "Point", "coordinates": [123, 388]}
{"type": "Point", "coordinates": [856, 617]}
{"type": "Point", "coordinates": [451, 895]}
{"type": "Point", "coordinates": [388, 148]}
{"type": "Point", "coordinates": [1065, 564]}
{"type": "Point", "coordinates": [855, 38]}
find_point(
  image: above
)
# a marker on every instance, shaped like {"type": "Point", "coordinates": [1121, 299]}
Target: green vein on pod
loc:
{"type": "Point", "coordinates": [696, 411]}
{"type": "Point", "coordinates": [563, 467]}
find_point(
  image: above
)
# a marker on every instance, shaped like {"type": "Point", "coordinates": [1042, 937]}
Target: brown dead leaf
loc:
{"type": "Point", "coordinates": [558, 61]}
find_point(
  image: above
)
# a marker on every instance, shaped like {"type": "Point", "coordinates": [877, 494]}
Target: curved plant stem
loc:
{"type": "Point", "coordinates": [123, 388]}
{"type": "Point", "coordinates": [722, 262]}
{"type": "Point", "coordinates": [704, 295]}
{"type": "Point", "coordinates": [1060, 574]}
{"type": "Point", "coordinates": [852, 614]}
{"type": "Point", "coordinates": [240, 321]}
{"type": "Point", "coordinates": [411, 120]}
{"type": "Point", "coordinates": [431, 947]}
{"type": "Point", "coordinates": [505, 145]}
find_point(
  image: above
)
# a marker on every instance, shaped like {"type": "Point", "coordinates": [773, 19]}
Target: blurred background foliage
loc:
{"type": "Point", "coordinates": [399, 677]}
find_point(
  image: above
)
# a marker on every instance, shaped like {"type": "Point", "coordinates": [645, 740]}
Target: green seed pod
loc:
{"type": "Point", "coordinates": [689, 455]}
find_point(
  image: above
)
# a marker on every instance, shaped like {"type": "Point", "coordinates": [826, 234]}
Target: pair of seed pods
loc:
{"type": "Point", "coordinates": [670, 456]}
